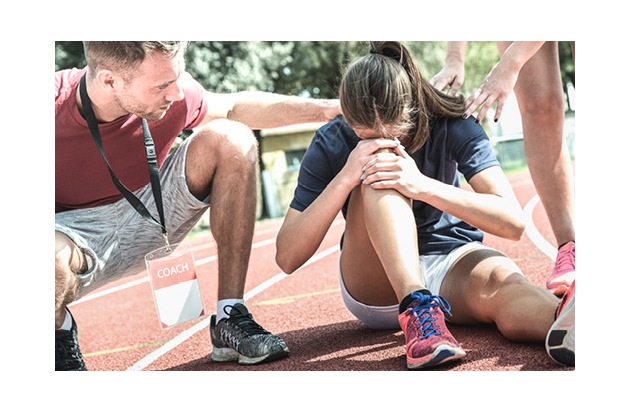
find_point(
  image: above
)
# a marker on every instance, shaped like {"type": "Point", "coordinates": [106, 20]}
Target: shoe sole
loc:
{"type": "Point", "coordinates": [561, 284]}
{"type": "Point", "coordinates": [560, 342]}
{"type": "Point", "coordinates": [231, 355]}
{"type": "Point", "coordinates": [443, 354]}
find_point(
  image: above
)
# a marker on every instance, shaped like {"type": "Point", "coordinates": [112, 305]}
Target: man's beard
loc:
{"type": "Point", "coordinates": [133, 108]}
{"type": "Point", "coordinates": [153, 116]}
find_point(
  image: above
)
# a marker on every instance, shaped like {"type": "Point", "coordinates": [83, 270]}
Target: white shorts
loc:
{"type": "Point", "coordinates": [434, 269]}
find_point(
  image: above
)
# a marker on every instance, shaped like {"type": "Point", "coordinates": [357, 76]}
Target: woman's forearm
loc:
{"type": "Point", "coordinates": [302, 232]}
{"type": "Point", "coordinates": [492, 211]}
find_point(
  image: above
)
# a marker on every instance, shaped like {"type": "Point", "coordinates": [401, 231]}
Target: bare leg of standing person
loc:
{"type": "Point", "coordinates": [541, 103]}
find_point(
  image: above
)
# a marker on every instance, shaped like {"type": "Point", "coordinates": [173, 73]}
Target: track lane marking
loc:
{"type": "Point", "coordinates": [285, 300]}
{"type": "Point", "coordinates": [125, 348]}
{"type": "Point", "coordinates": [532, 232]}
{"type": "Point", "coordinates": [145, 278]}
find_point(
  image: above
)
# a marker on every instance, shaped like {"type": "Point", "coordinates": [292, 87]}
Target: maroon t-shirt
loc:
{"type": "Point", "coordinates": [82, 178]}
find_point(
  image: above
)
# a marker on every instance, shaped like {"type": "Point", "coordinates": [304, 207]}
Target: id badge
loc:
{"type": "Point", "coordinates": [173, 278]}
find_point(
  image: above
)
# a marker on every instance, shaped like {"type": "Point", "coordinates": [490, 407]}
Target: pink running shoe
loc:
{"type": "Point", "coordinates": [428, 341]}
{"type": "Point", "coordinates": [564, 271]}
{"type": "Point", "coordinates": [560, 342]}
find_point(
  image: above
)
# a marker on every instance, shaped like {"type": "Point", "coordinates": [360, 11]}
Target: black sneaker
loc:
{"type": "Point", "coordinates": [68, 355]}
{"type": "Point", "coordinates": [240, 338]}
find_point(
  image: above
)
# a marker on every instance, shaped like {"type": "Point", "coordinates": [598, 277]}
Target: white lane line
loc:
{"type": "Point", "coordinates": [533, 234]}
{"type": "Point", "coordinates": [95, 295]}
{"type": "Point", "coordinates": [145, 279]}
{"type": "Point", "coordinates": [204, 324]}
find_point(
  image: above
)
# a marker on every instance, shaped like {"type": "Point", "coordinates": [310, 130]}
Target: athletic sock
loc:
{"type": "Point", "coordinates": [222, 307]}
{"type": "Point", "coordinates": [67, 322]}
{"type": "Point", "coordinates": [407, 300]}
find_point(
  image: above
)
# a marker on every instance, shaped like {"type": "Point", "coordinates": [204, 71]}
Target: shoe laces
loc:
{"type": "Point", "coordinates": [566, 260]}
{"type": "Point", "coordinates": [65, 347]}
{"type": "Point", "coordinates": [422, 311]}
{"type": "Point", "coordinates": [245, 321]}
{"type": "Point", "coordinates": [67, 352]}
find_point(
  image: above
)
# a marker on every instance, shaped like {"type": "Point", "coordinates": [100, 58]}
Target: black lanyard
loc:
{"type": "Point", "coordinates": [154, 174]}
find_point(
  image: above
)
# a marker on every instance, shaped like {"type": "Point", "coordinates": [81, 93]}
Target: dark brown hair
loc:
{"type": "Point", "coordinates": [125, 56]}
{"type": "Point", "coordinates": [385, 88]}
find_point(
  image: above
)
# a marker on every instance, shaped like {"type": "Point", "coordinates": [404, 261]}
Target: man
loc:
{"type": "Point", "coordinates": [102, 234]}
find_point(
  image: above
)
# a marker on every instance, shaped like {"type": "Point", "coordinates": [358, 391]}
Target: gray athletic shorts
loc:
{"type": "Point", "coordinates": [434, 269]}
{"type": "Point", "coordinates": [115, 237]}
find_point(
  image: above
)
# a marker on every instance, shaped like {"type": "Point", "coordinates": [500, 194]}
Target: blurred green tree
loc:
{"type": "Point", "coordinates": [307, 68]}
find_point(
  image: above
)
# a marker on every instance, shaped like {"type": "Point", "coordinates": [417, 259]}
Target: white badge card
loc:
{"type": "Point", "coordinates": [173, 277]}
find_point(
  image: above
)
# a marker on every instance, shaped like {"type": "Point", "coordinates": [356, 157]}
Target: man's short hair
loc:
{"type": "Point", "coordinates": [125, 56]}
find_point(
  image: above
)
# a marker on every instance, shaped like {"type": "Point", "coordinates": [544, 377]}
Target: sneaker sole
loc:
{"type": "Point", "coordinates": [559, 285]}
{"type": "Point", "coordinates": [443, 354]}
{"type": "Point", "coordinates": [560, 342]}
{"type": "Point", "coordinates": [231, 355]}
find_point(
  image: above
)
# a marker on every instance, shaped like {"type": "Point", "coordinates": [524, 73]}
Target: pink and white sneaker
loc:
{"type": "Point", "coordinates": [427, 340]}
{"type": "Point", "coordinates": [564, 271]}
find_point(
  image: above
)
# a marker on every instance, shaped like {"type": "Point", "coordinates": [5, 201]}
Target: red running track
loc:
{"type": "Point", "coordinates": [119, 329]}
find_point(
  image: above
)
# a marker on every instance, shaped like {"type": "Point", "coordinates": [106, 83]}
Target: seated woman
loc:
{"type": "Point", "coordinates": [412, 248]}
